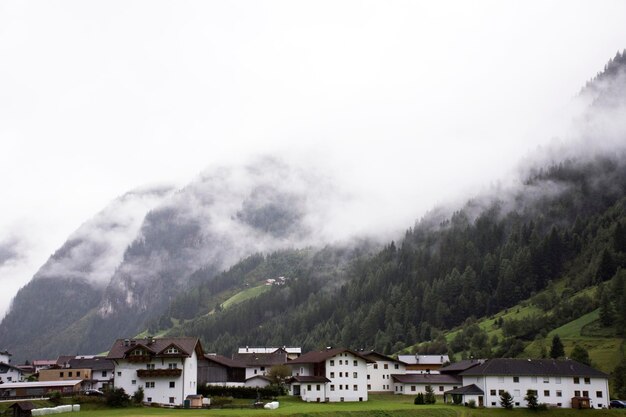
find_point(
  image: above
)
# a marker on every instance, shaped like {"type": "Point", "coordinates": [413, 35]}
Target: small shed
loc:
{"type": "Point", "coordinates": [195, 401]}
{"type": "Point", "coordinates": [581, 402]}
{"type": "Point", "coordinates": [22, 409]}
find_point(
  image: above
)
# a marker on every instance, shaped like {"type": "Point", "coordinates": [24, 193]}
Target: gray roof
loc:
{"type": "Point", "coordinates": [309, 378]}
{"type": "Point", "coordinates": [426, 379]}
{"type": "Point", "coordinates": [533, 367]}
{"type": "Point", "coordinates": [466, 390]}
{"type": "Point", "coordinates": [461, 366]}
{"type": "Point", "coordinates": [261, 359]}
{"type": "Point", "coordinates": [97, 363]}
{"type": "Point", "coordinates": [375, 356]}
{"type": "Point", "coordinates": [321, 356]}
{"type": "Point", "coordinates": [155, 346]}
{"type": "Point", "coordinates": [224, 361]}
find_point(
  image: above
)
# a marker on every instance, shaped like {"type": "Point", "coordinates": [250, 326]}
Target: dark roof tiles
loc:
{"type": "Point", "coordinates": [533, 367]}
{"type": "Point", "coordinates": [156, 345]}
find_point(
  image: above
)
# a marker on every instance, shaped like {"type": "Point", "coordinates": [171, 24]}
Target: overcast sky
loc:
{"type": "Point", "coordinates": [407, 104]}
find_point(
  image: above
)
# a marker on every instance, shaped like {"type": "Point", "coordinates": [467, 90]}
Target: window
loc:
{"type": "Point", "coordinates": [134, 382]}
{"type": "Point", "coordinates": [598, 394]}
{"type": "Point", "coordinates": [332, 363]}
{"type": "Point", "coordinates": [340, 387]}
{"type": "Point", "coordinates": [69, 374]}
{"type": "Point", "coordinates": [368, 377]}
{"type": "Point", "coordinates": [546, 379]}
{"type": "Point", "coordinates": [119, 373]}
{"type": "Point", "coordinates": [332, 387]}
{"type": "Point", "coordinates": [440, 388]}
{"type": "Point", "coordinates": [308, 387]}
{"type": "Point", "coordinates": [340, 374]}
{"type": "Point", "coordinates": [369, 387]}
{"type": "Point", "coordinates": [355, 363]}
{"type": "Point", "coordinates": [559, 393]}
{"type": "Point", "coordinates": [340, 362]}
{"type": "Point", "coordinates": [576, 380]}
{"type": "Point", "coordinates": [587, 380]}
{"type": "Point", "coordinates": [585, 393]}
{"type": "Point", "coordinates": [317, 387]}
{"type": "Point", "coordinates": [9, 378]}
{"type": "Point", "coordinates": [263, 368]}
{"type": "Point", "coordinates": [500, 391]}
{"type": "Point", "coordinates": [386, 366]}
{"type": "Point", "coordinates": [149, 399]}
{"type": "Point", "coordinates": [576, 393]}
{"type": "Point", "coordinates": [104, 373]}
{"type": "Point", "coordinates": [517, 404]}
{"type": "Point", "coordinates": [172, 350]}
{"type": "Point", "coordinates": [375, 366]}
{"type": "Point", "coordinates": [546, 392]}
{"type": "Point", "coordinates": [149, 366]}
{"type": "Point", "coordinates": [255, 371]}
{"type": "Point", "coordinates": [396, 366]}
{"type": "Point", "coordinates": [534, 391]}
{"type": "Point", "coordinates": [171, 400]}
{"type": "Point", "coordinates": [137, 352]}
{"type": "Point", "coordinates": [341, 399]}
{"type": "Point", "coordinates": [355, 375]}
{"type": "Point", "coordinates": [492, 392]}
{"type": "Point", "coordinates": [172, 366]}
{"type": "Point", "coordinates": [493, 404]}
{"type": "Point", "coordinates": [355, 388]}
{"type": "Point", "coordinates": [516, 379]}
{"type": "Point", "coordinates": [61, 374]}
{"type": "Point", "coordinates": [150, 384]}
{"type": "Point", "coordinates": [332, 374]}
{"type": "Point", "coordinates": [77, 373]}
{"type": "Point", "coordinates": [412, 387]}
{"type": "Point", "coordinates": [172, 384]}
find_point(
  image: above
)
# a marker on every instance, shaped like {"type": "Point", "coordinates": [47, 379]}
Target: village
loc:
{"type": "Point", "coordinates": [171, 370]}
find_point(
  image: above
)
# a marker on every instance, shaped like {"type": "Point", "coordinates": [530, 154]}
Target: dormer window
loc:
{"type": "Point", "coordinates": [172, 350]}
{"type": "Point", "coordinates": [138, 352]}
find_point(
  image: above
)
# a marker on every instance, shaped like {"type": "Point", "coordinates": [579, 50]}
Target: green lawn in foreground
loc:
{"type": "Point", "coordinates": [379, 406]}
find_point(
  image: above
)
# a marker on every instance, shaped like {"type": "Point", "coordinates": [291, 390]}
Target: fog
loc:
{"type": "Point", "coordinates": [396, 106]}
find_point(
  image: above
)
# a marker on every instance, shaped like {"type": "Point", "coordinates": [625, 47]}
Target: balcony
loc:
{"type": "Point", "coordinates": [158, 373]}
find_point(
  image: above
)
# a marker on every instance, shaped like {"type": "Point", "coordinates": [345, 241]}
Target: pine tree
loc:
{"type": "Point", "coordinates": [506, 400]}
{"type": "Point", "coordinates": [580, 354]}
{"type": "Point", "coordinates": [607, 312]}
{"type": "Point", "coordinates": [557, 350]}
{"type": "Point", "coordinates": [531, 399]}
{"type": "Point", "coordinates": [429, 396]}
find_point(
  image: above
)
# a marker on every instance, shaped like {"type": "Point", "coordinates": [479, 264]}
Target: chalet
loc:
{"type": "Point", "coordinates": [412, 384]}
{"type": "Point", "coordinates": [330, 375]}
{"type": "Point", "coordinates": [214, 369]}
{"type": "Point", "coordinates": [260, 363]}
{"type": "Point", "coordinates": [166, 368]}
{"type": "Point", "coordinates": [379, 372]}
{"type": "Point", "coordinates": [556, 382]}
{"type": "Point", "coordinates": [10, 373]}
{"type": "Point", "coordinates": [423, 363]}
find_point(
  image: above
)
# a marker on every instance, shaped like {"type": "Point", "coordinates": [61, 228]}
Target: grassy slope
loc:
{"type": "Point", "coordinates": [244, 295]}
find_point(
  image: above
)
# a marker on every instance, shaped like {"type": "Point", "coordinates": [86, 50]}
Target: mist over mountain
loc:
{"type": "Point", "coordinates": [171, 254]}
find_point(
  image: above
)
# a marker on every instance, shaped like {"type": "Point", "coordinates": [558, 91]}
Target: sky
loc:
{"type": "Point", "coordinates": [407, 104]}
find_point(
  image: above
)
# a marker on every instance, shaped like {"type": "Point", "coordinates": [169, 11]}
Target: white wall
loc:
{"type": "Point", "coordinates": [12, 375]}
{"type": "Point", "coordinates": [380, 377]}
{"type": "Point", "coordinates": [341, 371]}
{"type": "Point", "coordinates": [413, 389]}
{"type": "Point", "coordinates": [547, 388]}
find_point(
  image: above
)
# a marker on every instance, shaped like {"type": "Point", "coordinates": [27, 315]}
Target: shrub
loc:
{"type": "Point", "coordinates": [117, 398]}
{"type": "Point", "coordinates": [471, 403]}
{"type": "Point", "coordinates": [220, 401]}
{"type": "Point", "coordinates": [55, 397]}
{"type": "Point", "coordinates": [419, 399]}
{"type": "Point", "coordinates": [506, 400]}
{"type": "Point", "coordinates": [269, 392]}
{"type": "Point", "coordinates": [429, 397]}
{"type": "Point", "coordinates": [138, 395]}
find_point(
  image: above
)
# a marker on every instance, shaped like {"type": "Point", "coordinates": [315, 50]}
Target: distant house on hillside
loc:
{"type": "Point", "coordinates": [556, 382]}
{"type": "Point", "coordinates": [423, 363]}
{"type": "Point", "coordinates": [166, 368]}
{"type": "Point", "coordinates": [331, 375]}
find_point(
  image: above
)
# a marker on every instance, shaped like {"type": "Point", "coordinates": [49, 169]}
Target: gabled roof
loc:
{"type": "Point", "coordinates": [96, 363]}
{"type": "Point", "coordinates": [23, 405]}
{"type": "Point", "coordinates": [466, 390]}
{"type": "Point", "coordinates": [186, 345]}
{"type": "Point", "coordinates": [261, 359]}
{"type": "Point", "coordinates": [534, 367]}
{"type": "Point", "coordinates": [223, 360]}
{"type": "Point", "coordinates": [461, 366]}
{"type": "Point", "coordinates": [375, 356]}
{"type": "Point", "coordinates": [322, 355]}
{"type": "Point", "coordinates": [7, 366]}
{"type": "Point", "coordinates": [64, 359]}
{"type": "Point", "coordinates": [426, 379]}
{"type": "Point", "coordinates": [308, 378]}
{"type": "Point", "coordinates": [424, 359]}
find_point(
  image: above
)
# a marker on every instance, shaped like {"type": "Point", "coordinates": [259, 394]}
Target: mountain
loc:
{"type": "Point", "coordinates": [196, 260]}
{"type": "Point", "coordinates": [123, 267]}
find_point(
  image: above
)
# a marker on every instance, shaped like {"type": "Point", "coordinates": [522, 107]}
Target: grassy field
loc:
{"type": "Point", "coordinates": [245, 295]}
{"type": "Point", "coordinates": [378, 406]}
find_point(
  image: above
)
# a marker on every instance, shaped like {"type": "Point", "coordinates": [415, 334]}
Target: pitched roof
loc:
{"type": "Point", "coordinates": [538, 367]}
{"type": "Point", "coordinates": [261, 359]}
{"type": "Point", "coordinates": [187, 346]}
{"type": "Point", "coordinates": [9, 366]}
{"type": "Point", "coordinates": [64, 359]}
{"type": "Point", "coordinates": [375, 356]}
{"type": "Point", "coordinates": [426, 379]}
{"type": "Point", "coordinates": [466, 390]}
{"type": "Point", "coordinates": [265, 349]}
{"type": "Point", "coordinates": [41, 384]}
{"type": "Point", "coordinates": [223, 360]}
{"type": "Point", "coordinates": [96, 363]}
{"type": "Point", "coordinates": [461, 366]}
{"type": "Point", "coordinates": [322, 355]}
{"type": "Point", "coordinates": [424, 359]}
{"type": "Point", "coordinates": [44, 362]}
{"type": "Point", "coordinates": [23, 405]}
{"type": "Point", "coordinates": [308, 378]}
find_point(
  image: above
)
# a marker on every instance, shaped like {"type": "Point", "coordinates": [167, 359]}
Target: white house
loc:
{"type": "Point", "coordinates": [259, 363]}
{"type": "Point", "coordinates": [427, 364]}
{"type": "Point", "coordinates": [412, 384]}
{"type": "Point", "coordinates": [10, 373]}
{"type": "Point", "coordinates": [331, 375]}
{"type": "Point", "coordinates": [5, 356]}
{"type": "Point", "coordinates": [166, 368]}
{"type": "Point", "coordinates": [556, 382]}
{"type": "Point", "coordinates": [379, 372]}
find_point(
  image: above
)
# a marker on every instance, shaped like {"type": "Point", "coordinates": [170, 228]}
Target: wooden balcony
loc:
{"type": "Point", "coordinates": [158, 373]}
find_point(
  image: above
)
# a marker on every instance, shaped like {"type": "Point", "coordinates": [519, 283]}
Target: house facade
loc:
{"type": "Point", "coordinates": [556, 382]}
{"type": "Point", "coordinates": [427, 364]}
{"type": "Point", "coordinates": [259, 364]}
{"type": "Point", "coordinates": [332, 375]}
{"type": "Point", "coordinates": [412, 384]}
{"type": "Point", "coordinates": [166, 368]}
{"type": "Point", "coordinates": [10, 373]}
{"type": "Point", "coordinates": [380, 371]}
{"type": "Point", "coordinates": [101, 370]}
{"type": "Point", "coordinates": [5, 356]}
